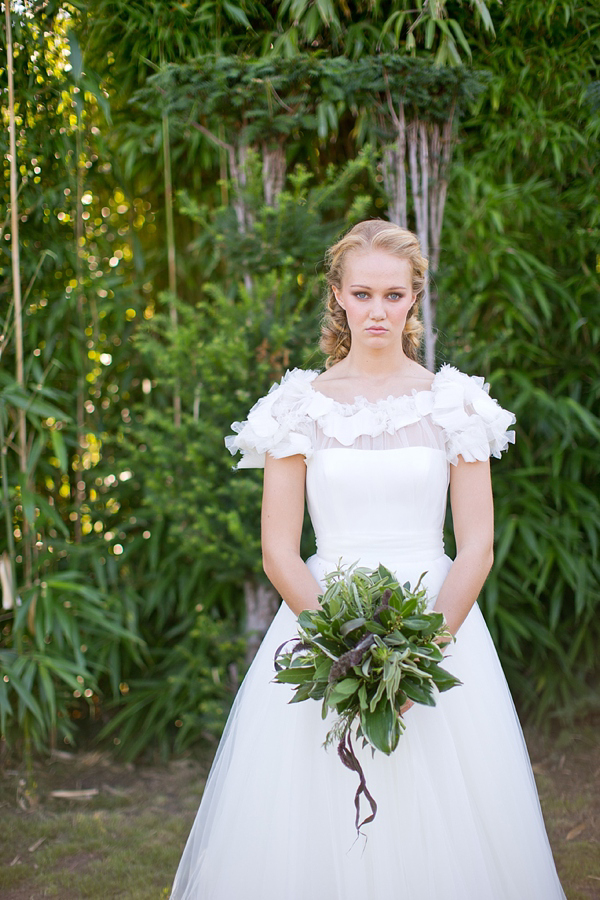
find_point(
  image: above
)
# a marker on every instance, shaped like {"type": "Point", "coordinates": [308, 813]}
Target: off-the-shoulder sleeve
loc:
{"type": "Point", "coordinates": [475, 425]}
{"type": "Point", "coordinates": [277, 424]}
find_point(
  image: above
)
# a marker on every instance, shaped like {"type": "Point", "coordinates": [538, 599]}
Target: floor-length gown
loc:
{"type": "Point", "coordinates": [458, 812]}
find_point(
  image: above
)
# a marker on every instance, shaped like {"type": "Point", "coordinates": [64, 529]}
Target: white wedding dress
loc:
{"type": "Point", "coordinates": [458, 813]}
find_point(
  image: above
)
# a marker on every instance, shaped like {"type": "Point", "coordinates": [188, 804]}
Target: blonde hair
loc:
{"type": "Point", "coordinates": [373, 234]}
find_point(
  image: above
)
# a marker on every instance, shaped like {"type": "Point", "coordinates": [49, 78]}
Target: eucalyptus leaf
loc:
{"type": "Point", "coordinates": [352, 625]}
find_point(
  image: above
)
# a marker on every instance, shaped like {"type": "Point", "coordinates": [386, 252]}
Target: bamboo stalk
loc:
{"type": "Point", "coordinates": [171, 254]}
{"type": "Point", "coordinates": [14, 237]}
{"type": "Point", "coordinates": [20, 375]}
{"type": "Point", "coordinates": [80, 411]}
{"type": "Point", "coordinates": [10, 537]}
{"type": "Point", "coordinates": [16, 279]}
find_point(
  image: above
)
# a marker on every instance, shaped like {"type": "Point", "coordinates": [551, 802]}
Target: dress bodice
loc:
{"type": "Point", "coordinates": [377, 472]}
{"type": "Point", "coordinates": [377, 505]}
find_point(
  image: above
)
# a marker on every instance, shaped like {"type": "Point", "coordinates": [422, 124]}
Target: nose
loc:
{"type": "Point", "coordinates": [377, 309]}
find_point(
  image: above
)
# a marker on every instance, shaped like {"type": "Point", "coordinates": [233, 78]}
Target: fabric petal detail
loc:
{"type": "Point", "coordinates": [282, 423]}
{"type": "Point", "coordinates": [276, 424]}
{"type": "Point", "coordinates": [475, 425]}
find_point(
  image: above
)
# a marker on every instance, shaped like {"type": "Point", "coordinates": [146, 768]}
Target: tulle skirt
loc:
{"type": "Point", "coordinates": [458, 812]}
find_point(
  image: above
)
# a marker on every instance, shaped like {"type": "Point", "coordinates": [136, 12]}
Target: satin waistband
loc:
{"type": "Point", "coordinates": [408, 546]}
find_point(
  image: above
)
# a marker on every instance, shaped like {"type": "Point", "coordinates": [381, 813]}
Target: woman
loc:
{"type": "Point", "coordinates": [374, 441]}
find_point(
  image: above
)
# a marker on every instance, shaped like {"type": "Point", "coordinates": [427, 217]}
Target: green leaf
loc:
{"type": "Point", "coordinates": [322, 669]}
{"type": "Point", "coordinates": [381, 727]}
{"type": "Point", "coordinates": [352, 625]}
{"type": "Point", "coordinates": [302, 693]}
{"type": "Point", "coordinates": [47, 690]}
{"type": "Point", "coordinates": [417, 692]}
{"type": "Point", "coordinates": [422, 623]}
{"type": "Point", "coordinates": [306, 620]}
{"type": "Point", "coordinates": [331, 648]}
{"type": "Point", "coordinates": [295, 675]}
{"type": "Point", "coordinates": [378, 695]}
{"type": "Point", "coordinates": [362, 696]}
{"type": "Point", "coordinates": [75, 57]}
{"type": "Point", "coordinates": [60, 449]}
{"type": "Point", "coordinates": [342, 690]}
{"type": "Point", "coordinates": [28, 499]}
{"type": "Point", "coordinates": [236, 13]}
{"type": "Point", "coordinates": [28, 699]}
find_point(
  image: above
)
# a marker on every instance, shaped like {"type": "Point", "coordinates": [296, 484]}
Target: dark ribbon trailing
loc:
{"type": "Point", "coordinates": [350, 760]}
{"type": "Point", "coordinates": [339, 669]}
{"type": "Point", "coordinates": [345, 749]}
{"type": "Point", "coordinates": [299, 645]}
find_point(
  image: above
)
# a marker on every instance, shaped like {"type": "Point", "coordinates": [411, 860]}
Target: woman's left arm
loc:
{"type": "Point", "coordinates": [473, 520]}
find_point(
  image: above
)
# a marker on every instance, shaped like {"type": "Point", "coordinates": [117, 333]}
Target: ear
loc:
{"type": "Point", "coordinates": [336, 295]}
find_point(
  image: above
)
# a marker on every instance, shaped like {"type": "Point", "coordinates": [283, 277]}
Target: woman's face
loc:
{"type": "Point", "coordinates": [376, 293]}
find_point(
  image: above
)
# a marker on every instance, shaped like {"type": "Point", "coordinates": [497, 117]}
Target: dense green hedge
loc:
{"type": "Point", "coordinates": [130, 540]}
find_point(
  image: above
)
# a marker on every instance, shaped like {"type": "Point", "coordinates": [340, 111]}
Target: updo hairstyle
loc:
{"type": "Point", "coordinates": [373, 234]}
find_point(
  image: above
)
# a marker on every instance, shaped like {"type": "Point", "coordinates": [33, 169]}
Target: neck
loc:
{"type": "Point", "coordinates": [376, 365]}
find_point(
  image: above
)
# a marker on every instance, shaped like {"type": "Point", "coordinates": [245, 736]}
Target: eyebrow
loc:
{"type": "Point", "coordinates": [366, 287]}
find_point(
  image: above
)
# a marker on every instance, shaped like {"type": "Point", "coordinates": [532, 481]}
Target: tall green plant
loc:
{"type": "Point", "coordinates": [52, 616]}
{"type": "Point", "coordinates": [523, 224]}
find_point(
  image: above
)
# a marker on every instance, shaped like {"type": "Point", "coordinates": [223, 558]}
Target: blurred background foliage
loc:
{"type": "Point", "coordinates": [181, 169]}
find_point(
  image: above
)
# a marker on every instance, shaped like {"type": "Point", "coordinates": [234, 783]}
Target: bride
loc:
{"type": "Point", "coordinates": [374, 442]}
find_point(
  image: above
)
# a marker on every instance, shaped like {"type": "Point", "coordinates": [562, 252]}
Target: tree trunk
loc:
{"type": "Point", "coordinates": [261, 602]}
{"type": "Point", "coordinates": [429, 149]}
{"type": "Point", "coordinates": [237, 168]}
{"type": "Point", "coordinates": [273, 171]}
{"type": "Point", "coordinates": [442, 144]}
{"type": "Point", "coordinates": [394, 171]}
{"type": "Point", "coordinates": [418, 155]}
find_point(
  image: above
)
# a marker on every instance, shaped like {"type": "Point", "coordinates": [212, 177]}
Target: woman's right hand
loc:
{"type": "Point", "coordinates": [406, 707]}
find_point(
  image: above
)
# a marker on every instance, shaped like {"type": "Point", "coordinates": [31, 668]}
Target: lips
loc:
{"type": "Point", "coordinates": [377, 330]}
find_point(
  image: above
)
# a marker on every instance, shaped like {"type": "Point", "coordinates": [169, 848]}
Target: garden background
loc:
{"type": "Point", "coordinates": [176, 173]}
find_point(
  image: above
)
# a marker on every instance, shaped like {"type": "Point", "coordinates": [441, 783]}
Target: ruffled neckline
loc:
{"type": "Point", "coordinates": [362, 402]}
{"type": "Point", "coordinates": [473, 423]}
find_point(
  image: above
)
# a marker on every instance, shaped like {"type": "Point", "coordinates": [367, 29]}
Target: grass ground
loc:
{"type": "Point", "coordinates": [125, 841]}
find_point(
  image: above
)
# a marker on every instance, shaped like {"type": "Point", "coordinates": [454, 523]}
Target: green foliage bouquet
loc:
{"type": "Point", "coordinates": [369, 649]}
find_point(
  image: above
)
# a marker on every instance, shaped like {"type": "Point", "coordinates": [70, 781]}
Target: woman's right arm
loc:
{"type": "Point", "coordinates": [281, 522]}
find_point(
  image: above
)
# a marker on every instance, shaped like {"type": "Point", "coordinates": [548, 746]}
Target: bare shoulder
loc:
{"type": "Point", "coordinates": [336, 372]}
{"type": "Point", "coordinates": [422, 377]}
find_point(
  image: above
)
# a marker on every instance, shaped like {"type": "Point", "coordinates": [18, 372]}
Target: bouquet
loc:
{"type": "Point", "coordinates": [371, 647]}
